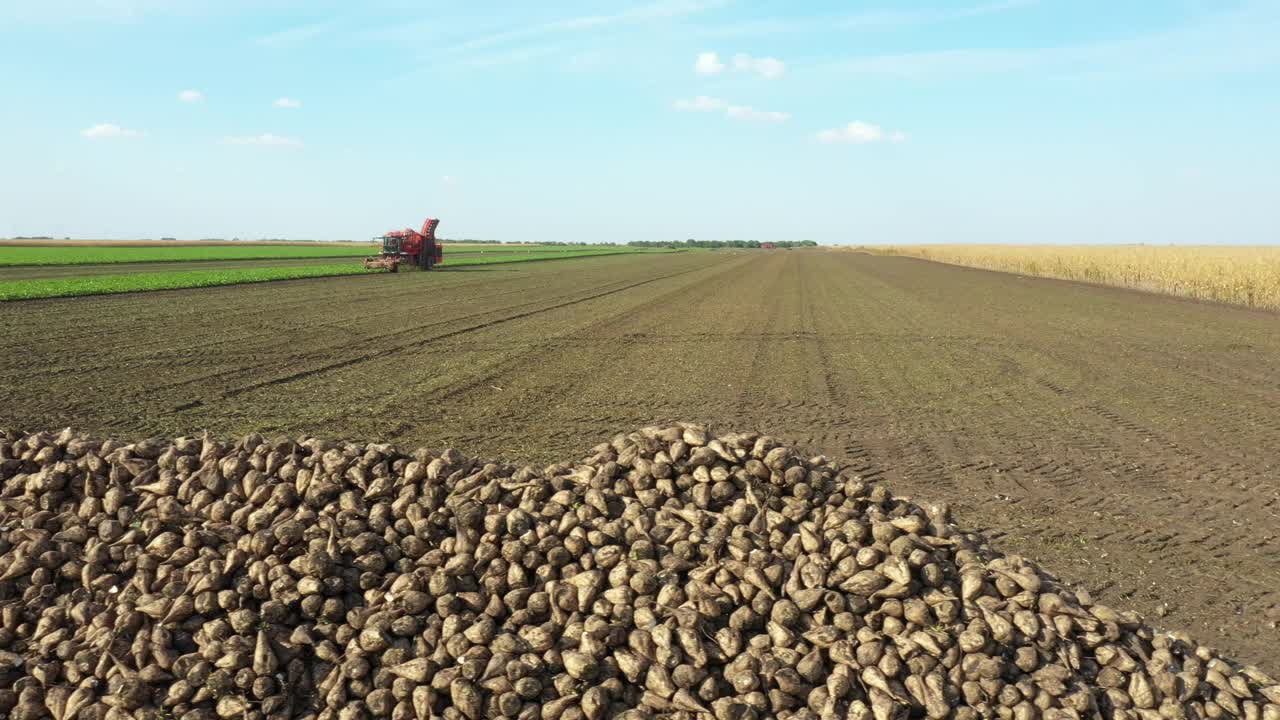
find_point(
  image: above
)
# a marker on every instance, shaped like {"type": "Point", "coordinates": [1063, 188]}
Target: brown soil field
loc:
{"type": "Point", "coordinates": [1127, 441]}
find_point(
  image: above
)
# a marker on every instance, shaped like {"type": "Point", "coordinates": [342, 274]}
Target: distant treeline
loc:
{"type": "Point", "coordinates": [690, 243]}
{"type": "Point", "coordinates": [723, 243]}
{"type": "Point", "coordinates": [469, 241]}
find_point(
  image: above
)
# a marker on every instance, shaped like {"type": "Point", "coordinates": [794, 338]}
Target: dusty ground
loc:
{"type": "Point", "coordinates": [1130, 442]}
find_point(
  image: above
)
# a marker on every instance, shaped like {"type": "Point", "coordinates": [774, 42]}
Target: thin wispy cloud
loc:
{"type": "Point", "coordinates": [654, 11]}
{"type": "Point", "coordinates": [500, 58]}
{"type": "Point", "coordinates": [860, 133]}
{"type": "Point", "coordinates": [866, 19]}
{"type": "Point", "coordinates": [264, 140]}
{"type": "Point", "coordinates": [286, 103]}
{"type": "Point", "coordinates": [56, 11]}
{"type": "Point", "coordinates": [950, 62]}
{"type": "Point", "coordinates": [705, 104]}
{"type": "Point", "coordinates": [107, 131]}
{"type": "Point", "coordinates": [296, 35]}
{"type": "Point", "coordinates": [191, 96]}
{"type": "Point", "coordinates": [1230, 41]}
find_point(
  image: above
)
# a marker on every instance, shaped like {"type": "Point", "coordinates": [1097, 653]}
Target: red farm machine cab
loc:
{"type": "Point", "coordinates": [418, 249]}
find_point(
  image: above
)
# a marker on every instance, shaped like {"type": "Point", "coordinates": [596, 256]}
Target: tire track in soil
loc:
{"type": "Point", "coordinates": [748, 397]}
{"type": "Point", "coordinates": [604, 329]}
{"type": "Point", "coordinates": [860, 384]}
{"type": "Point", "coordinates": [337, 326]}
{"type": "Point", "coordinates": [1164, 457]}
{"type": "Point", "coordinates": [1242, 428]}
{"type": "Point", "coordinates": [839, 433]}
{"type": "Point", "coordinates": [166, 352]}
{"type": "Point", "coordinates": [279, 317]}
{"type": "Point", "coordinates": [1161, 534]}
{"type": "Point", "coordinates": [328, 351]}
{"type": "Point", "coordinates": [538, 392]}
{"type": "Point", "coordinates": [424, 342]}
{"type": "Point", "coordinates": [1159, 467]}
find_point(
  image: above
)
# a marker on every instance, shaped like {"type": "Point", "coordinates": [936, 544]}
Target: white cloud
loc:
{"type": "Point", "coordinates": [708, 63]}
{"type": "Point", "coordinates": [191, 96]}
{"type": "Point", "coordinates": [287, 103]}
{"type": "Point", "coordinates": [860, 133]}
{"type": "Point", "coordinates": [702, 103]}
{"type": "Point", "coordinates": [109, 130]}
{"type": "Point", "coordinates": [769, 68]}
{"type": "Point", "coordinates": [266, 139]}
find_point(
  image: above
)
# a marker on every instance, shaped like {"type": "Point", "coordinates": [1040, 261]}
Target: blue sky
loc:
{"type": "Point", "coordinates": [842, 122]}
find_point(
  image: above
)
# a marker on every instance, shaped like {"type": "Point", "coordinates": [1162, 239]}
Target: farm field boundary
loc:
{"type": "Point", "coordinates": [28, 253]}
{"type": "Point", "coordinates": [148, 281]}
{"type": "Point", "coordinates": [91, 242]}
{"type": "Point", "coordinates": [1236, 275]}
{"type": "Point", "coordinates": [21, 255]}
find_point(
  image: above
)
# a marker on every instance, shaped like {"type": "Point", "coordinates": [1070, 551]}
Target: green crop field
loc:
{"type": "Point", "coordinates": [108, 284]}
{"type": "Point", "coordinates": [80, 254]}
{"type": "Point", "coordinates": [95, 255]}
{"type": "Point", "coordinates": [138, 282]}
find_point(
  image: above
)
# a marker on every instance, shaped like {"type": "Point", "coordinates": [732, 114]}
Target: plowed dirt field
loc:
{"type": "Point", "coordinates": [1130, 442]}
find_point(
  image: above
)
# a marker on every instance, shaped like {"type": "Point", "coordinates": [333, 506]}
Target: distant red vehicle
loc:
{"type": "Point", "coordinates": [419, 249]}
{"type": "Point", "coordinates": [767, 246]}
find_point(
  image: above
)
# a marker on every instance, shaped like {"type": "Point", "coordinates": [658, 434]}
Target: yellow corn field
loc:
{"type": "Point", "coordinates": [1239, 275]}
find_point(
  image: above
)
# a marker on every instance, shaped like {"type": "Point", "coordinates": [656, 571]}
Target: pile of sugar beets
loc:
{"type": "Point", "coordinates": [672, 573]}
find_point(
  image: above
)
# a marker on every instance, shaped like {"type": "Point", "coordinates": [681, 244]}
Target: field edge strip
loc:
{"type": "Point", "coordinates": [19, 290]}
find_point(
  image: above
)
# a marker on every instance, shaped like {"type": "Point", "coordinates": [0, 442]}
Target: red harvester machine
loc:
{"type": "Point", "coordinates": [418, 249]}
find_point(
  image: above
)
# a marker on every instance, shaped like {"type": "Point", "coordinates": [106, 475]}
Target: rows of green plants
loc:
{"type": "Point", "coordinates": [96, 255]}
{"type": "Point", "coordinates": [109, 284]}
{"type": "Point", "coordinates": [18, 255]}
{"type": "Point", "coordinates": [139, 282]}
